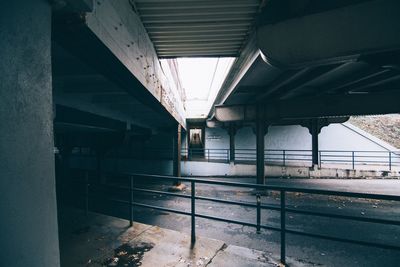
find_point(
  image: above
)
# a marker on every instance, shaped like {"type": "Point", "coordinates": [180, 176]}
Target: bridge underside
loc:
{"type": "Point", "coordinates": [87, 73]}
{"type": "Point", "coordinates": [308, 61]}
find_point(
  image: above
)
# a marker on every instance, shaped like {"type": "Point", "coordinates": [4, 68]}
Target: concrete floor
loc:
{"type": "Point", "coordinates": [310, 251]}
{"type": "Point", "coordinates": [99, 240]}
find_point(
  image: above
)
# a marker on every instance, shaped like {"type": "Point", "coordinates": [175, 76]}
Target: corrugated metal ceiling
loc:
{"type": "Point", "coordinates": [190, 28]}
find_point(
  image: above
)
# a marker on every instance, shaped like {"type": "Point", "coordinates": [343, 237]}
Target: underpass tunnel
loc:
{"type": "Point", "coordinates": [82, 87]}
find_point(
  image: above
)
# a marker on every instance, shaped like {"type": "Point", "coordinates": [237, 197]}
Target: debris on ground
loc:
{"type": "Point", "coordinates": [177, 188]}
{"type": "Point", "coordinates": [126, 255]}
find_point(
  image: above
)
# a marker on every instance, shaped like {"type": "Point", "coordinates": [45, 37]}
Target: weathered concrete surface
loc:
{"type": "Point", "coordinates": [173, 248]}
{"type": "Point", "coordinates": [28, 225]}
{"type": "Point", "coordinates": [120, 29]}
{"type": "Point", "coordinates": [86, 240]}
{"type": "Point", "coordinates": [235, 256]}
{"type": "Point", "coordinates": [92, 241]}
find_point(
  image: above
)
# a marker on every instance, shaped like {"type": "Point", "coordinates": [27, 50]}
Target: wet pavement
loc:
{"type": "Point", "coordinates": [99, 240]}
{"type": "Point", "coordinates": [309, 251]}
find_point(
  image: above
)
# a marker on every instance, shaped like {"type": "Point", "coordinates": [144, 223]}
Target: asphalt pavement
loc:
{"type": "Point", "coordinates": [307, 250]}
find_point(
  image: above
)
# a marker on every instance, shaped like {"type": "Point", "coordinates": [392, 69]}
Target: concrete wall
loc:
{"type": "Point", "coordinates": [333, 137]}
{"type": "Point", "coordinates": [216, 138]}
{"type": "Point", "coordinates": [348, 137]}
{"type": "Point", "coordinates": [278, 137]}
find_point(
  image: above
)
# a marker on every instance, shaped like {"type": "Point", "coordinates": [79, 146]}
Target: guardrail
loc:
{"type": "Point", "coordinates": [216, 155]}
{"type": "Point", "coordinates": [388, 159]}
{"type": "Point", "coordinates": [131, 180]}
{"type": "Point", "coordinates": [284, 157]}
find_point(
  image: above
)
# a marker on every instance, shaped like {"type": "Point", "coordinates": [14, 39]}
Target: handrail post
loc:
{"type": "Point", "coordinates": [193, 212]}
{"type": "Point", "coordinates": [86, 193]}
{"type": "Point", "coordinates": [258, 214]}
{"type": "Point", "coordinates": [352, 158]}
{"type": "Point", "coordinates": [208, 155]}
{"type": "Point", "coordinates": [228, 158]}
{"type": "Point", "coordinates": [319, 159]}
{"type": "Point", "coordinates": [131, 201]}
{"type": "Point", "coordinates": [284, 158]}
{"type": "Point", "coordinates": [283, 228]}
{"type": "Point", "coordinates": [390, 160]}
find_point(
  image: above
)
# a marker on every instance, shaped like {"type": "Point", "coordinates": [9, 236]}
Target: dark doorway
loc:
{"type": "Point", "coordinates": [196, 142]}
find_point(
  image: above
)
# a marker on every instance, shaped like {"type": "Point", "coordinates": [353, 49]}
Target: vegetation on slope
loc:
{"type": "Point", "coordinates": [384, 127]}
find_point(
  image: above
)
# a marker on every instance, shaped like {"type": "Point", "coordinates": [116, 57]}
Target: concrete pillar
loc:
{"type": "Point", "coordinates": [232, 133]}
{"type": "Point", "coordinates": [101, 176]}
{"type": "Point", "coordinates": [177, 153]}
{"type": "Point", "coordinates": [63, 172]}
{"type": "Point", "coordinates": [314, 135]}
{"type": "Point", "coordinates": [260, 133]}
{"type": "Point", "coordinates": [28, 225]}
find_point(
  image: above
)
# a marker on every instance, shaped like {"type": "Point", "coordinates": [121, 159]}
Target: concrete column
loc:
{"type": "Point", "coordinates": [260, 133]}
{"type": "Point", "coordinates": [232, 133]}
{"type": "Point", "coordinates": [177, 153]}
{"type": "Point", "coordinates": [28, 225]}
{"type": "Point", "coordinates": [63, 173]}
{"type": "Point", "coordinates": [100, 154]}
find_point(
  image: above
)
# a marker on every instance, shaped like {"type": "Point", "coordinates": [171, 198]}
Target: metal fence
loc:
{"type": "Point", "coordinates": [284, 157]}
{"type": "Point", "coordinates": [287, 157]}
{"type": "Point", "coordinates": [131, 182]}
{"type": "Point", "coordinates": [386, 159]}
{"type": "Point", "coordinates": [200, 154]}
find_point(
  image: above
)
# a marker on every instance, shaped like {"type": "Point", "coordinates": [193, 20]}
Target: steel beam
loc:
{"type": "Point", "coordinates": [314, 107]}
{"type": "Point", "coordinates": [337, 35]}
{"type": "Point", "coordinates": [243, 63]}
{"type": "Point", "coordinates": [214, 124]}
{"type": "Point", "coordinates": [197, 24]}
{"type": "Point", "coordinates": [179, 5]}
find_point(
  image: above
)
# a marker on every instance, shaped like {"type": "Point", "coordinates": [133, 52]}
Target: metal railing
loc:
{"type": "Point", "coordinates": [284, 209]}
{"type": "Point", "coordinates": [387, 159]}
{"type": "Point", "coordinates": [205, 154]}
{"type": "Point", "coordinates": [275, 156]}
{"type": "Point", "coordinates": [285, 157]}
